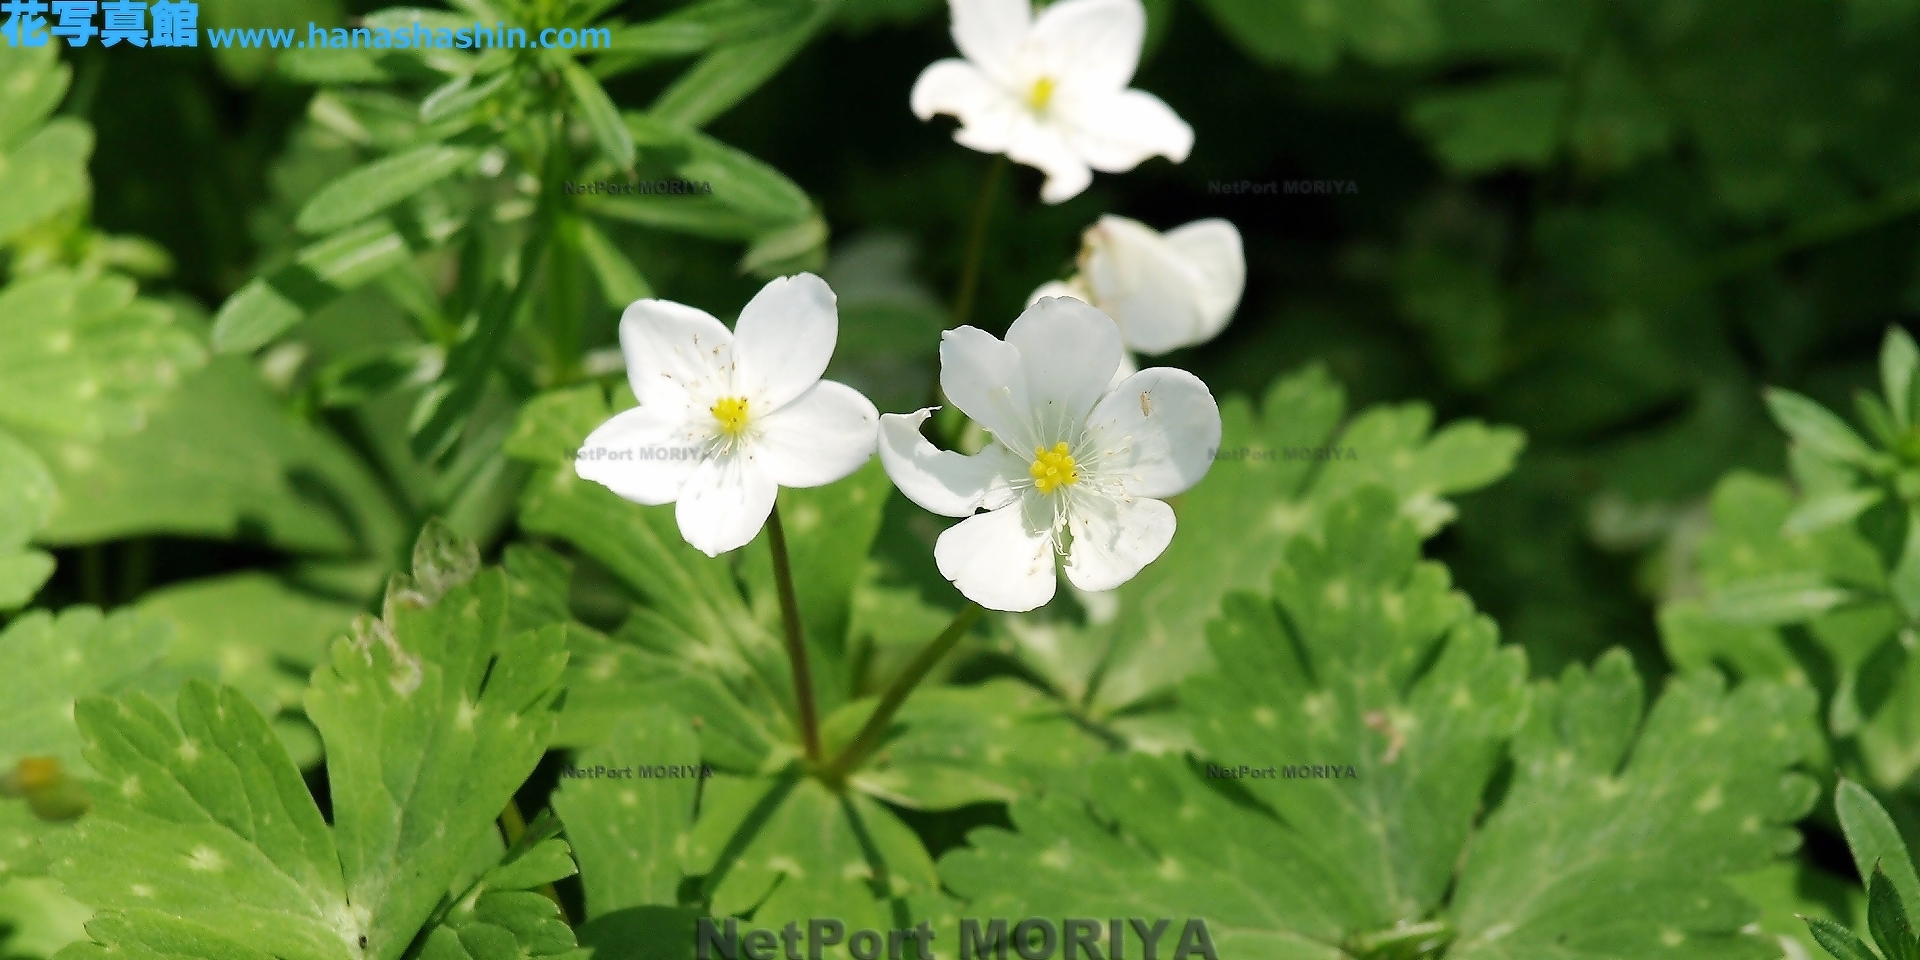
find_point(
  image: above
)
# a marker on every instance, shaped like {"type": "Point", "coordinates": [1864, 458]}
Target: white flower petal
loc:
{"type": "Point", "coordinates": [1148, 286]}
{"type": "Point", "coordinates": [989, 32]}
{"type": "Point", "coordinates": [1044, 147]}
{"type": "Point", "coordinates": [1213, 251]}
{"type": "Point", "coordinates": [999, 560]}
{"type": "Point", "coordinates": [1091, 45]}
{"type": "Point", "coordinates": [1155, 434]}
{"type": "Point", "coordinates": [724, 504]}
{"type": "Point", "coordinates": [943, 481]}
{"type": "Point", "coordinates": [783, 340]}
{"type": "Point", "coordinates": [1069, 351]}
{"type": "Point", "coordinates": [960, 89]}
{"type": "Point", "coordinates": [1115, 132]}
{"type": "Point", "coordinates": [677, 349]}
{"type": "Point", "coordinates": [1059, 288]}
{"type": "Point", "coordinates": [1114, 539]}
{"type": "Point", "coordinates": [1129, 365]}
{"type": "Point", "coordinates": [641, 455]}
{"type": "Point", "coordinates": [983, 377]}
{"type": "Point", "coordinates": [823, 435]}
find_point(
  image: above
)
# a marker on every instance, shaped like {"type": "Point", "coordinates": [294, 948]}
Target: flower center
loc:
{"type": "Point", "coordinates": [1040, 94]}
{"type": "Point", "coordinates": [732, 414]}
{"type": "Point", "coordinates": [1053, 469]}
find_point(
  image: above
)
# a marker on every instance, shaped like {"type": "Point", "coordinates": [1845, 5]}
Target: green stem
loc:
{"type": "Point", "coordinates": [796, 644]}
{"type": "Point", "coordinates": [977, 243]}
{"type": "Point", "coordinates": [868, 739]}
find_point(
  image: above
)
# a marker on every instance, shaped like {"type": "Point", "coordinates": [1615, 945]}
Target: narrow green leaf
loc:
{"type": "Point", "coordinates": [726, 76]}
{"type": "Point", "coordinates": [1818, 428]}
{"type": "Point", "coordinates": [271, 305]}
{"type": "Point", "coordinates": [602, 117]}
{"type": "Point", "coordinates": [1778, 598]}
{"type": "Point", "coordinates": [701, 216]}
{"type": "Point", "coordinates": [800, 247]}
{"type": "Point", "coordinates": [1904, 580]}
{"type": "Point", "coordinates": [1887, 919]}
{"type": "Point", "coordinates": [1898, 359]}
{"type": "Point", "coordinates": [620, 281]}
{"type": "Point", "coordinates": [1875, 842]}
{"type": "Point", "coordinates": [1838, 940]}
{"type": "Point", "coordinates": [1831, 510]}
{"type": "Point", "coordinates": [379, 185]}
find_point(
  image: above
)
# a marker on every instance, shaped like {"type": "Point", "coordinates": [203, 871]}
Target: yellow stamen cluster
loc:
{"type": "Point", "coordinates": [1053, 469]}
{"type": "Point", "coordinates": [732, 414]}
{"type": "Point", "coordinates": [1041, 93]}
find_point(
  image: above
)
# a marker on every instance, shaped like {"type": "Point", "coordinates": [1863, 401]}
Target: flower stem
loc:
{"type": "Point", "coordinates": [868, 739]}
{"type": "Point", "coordinates": [977, 243]}
{"type": "Point", "coordinates": [796, 644]}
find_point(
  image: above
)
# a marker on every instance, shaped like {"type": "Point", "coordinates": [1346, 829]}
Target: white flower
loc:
{"type": "Point", "coordinates": [1166, 291]}
{"type": "Point", "coordinates": [726, 418]}
{"type": "Point", "coordinates": [1051, 91]}
{"type": "Point", "coordinates": [1077, 467]}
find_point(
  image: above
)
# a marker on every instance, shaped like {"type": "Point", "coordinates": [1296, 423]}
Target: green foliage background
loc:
{"type": "Point", "coordinates": [1532, 263]}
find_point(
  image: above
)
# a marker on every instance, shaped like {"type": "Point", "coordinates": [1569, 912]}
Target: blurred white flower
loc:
{"type": "Point", "coordinates": [1077, 464]}
{"type": "Point", "coordinates": [1166, 291]}
{"type": "Point", "coordinates": [1050, 91]}
{"type": "Point", "coordinates": [726, 418]}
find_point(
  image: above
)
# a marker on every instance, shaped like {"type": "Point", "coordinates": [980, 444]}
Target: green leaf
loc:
{"type": "Point", "coordinates": [1831, 510]}
{"type": "Point", "coordinates": [1813, 426]}
{"type": "Point", "coordinates": [601, 116]}
{"type": "Point", "coordinates": [1838, 940]}
{"type": "Point", "coordinates": [45, 175]}
{"type": "Point", "coordinates": [1506, 122]}
{"type": "Point", "coordinates": [1779, 598]}
{"type": "Point", "coordinates": [606, 679]}
{"type": "Point", "coordinates": [1349, 688]}
{"type": "Point", "coordinates": [1898, 359]}
{"type": "Point", "coordinates": [46, 662]}
{"type": "Point", "coordinates": [1704, 790]}
{"type": "Point", "coordinates": [271, 305]}
{"type": "Point", "coordinates": [1875, 842]}
{"type": "Point", "coordinates": [1887, 920]}
{"type": "Point", "coordinates": [83, 357]}
{"type": "Point", "coordinates": [433, 716]}
{"type": "Point", "coordinates": [1270, 482]}
{"type": "Point", "coordinates": [807, 852]}
{"type": "Point", "coordinates": [379, 185]}
{"type": "Point", "coordinates": [1312, 35]}
{"type": "Point", "coordinates": [35, 80]}
{"type": "Point", "coordinates": [794, 249]}
{"type": "Point", "coordinates": [552, 425]}
{"type": "Point", "coordinates": [727, 75]}
{"type": "Point", "coordinates": [830, 530]}
{"type": "Point", "coordinates": [627, 829]}
{"type": "Point", "coordinates": [26, 502]}
{"type": "Point", "coordinates": [257, 634]}
{"type": "Point", "coordinates": [989, 743]}
{"type": "Point", "coordinates": [261, 474]}
{"type": "Point", "coordinates": [621, 283]}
